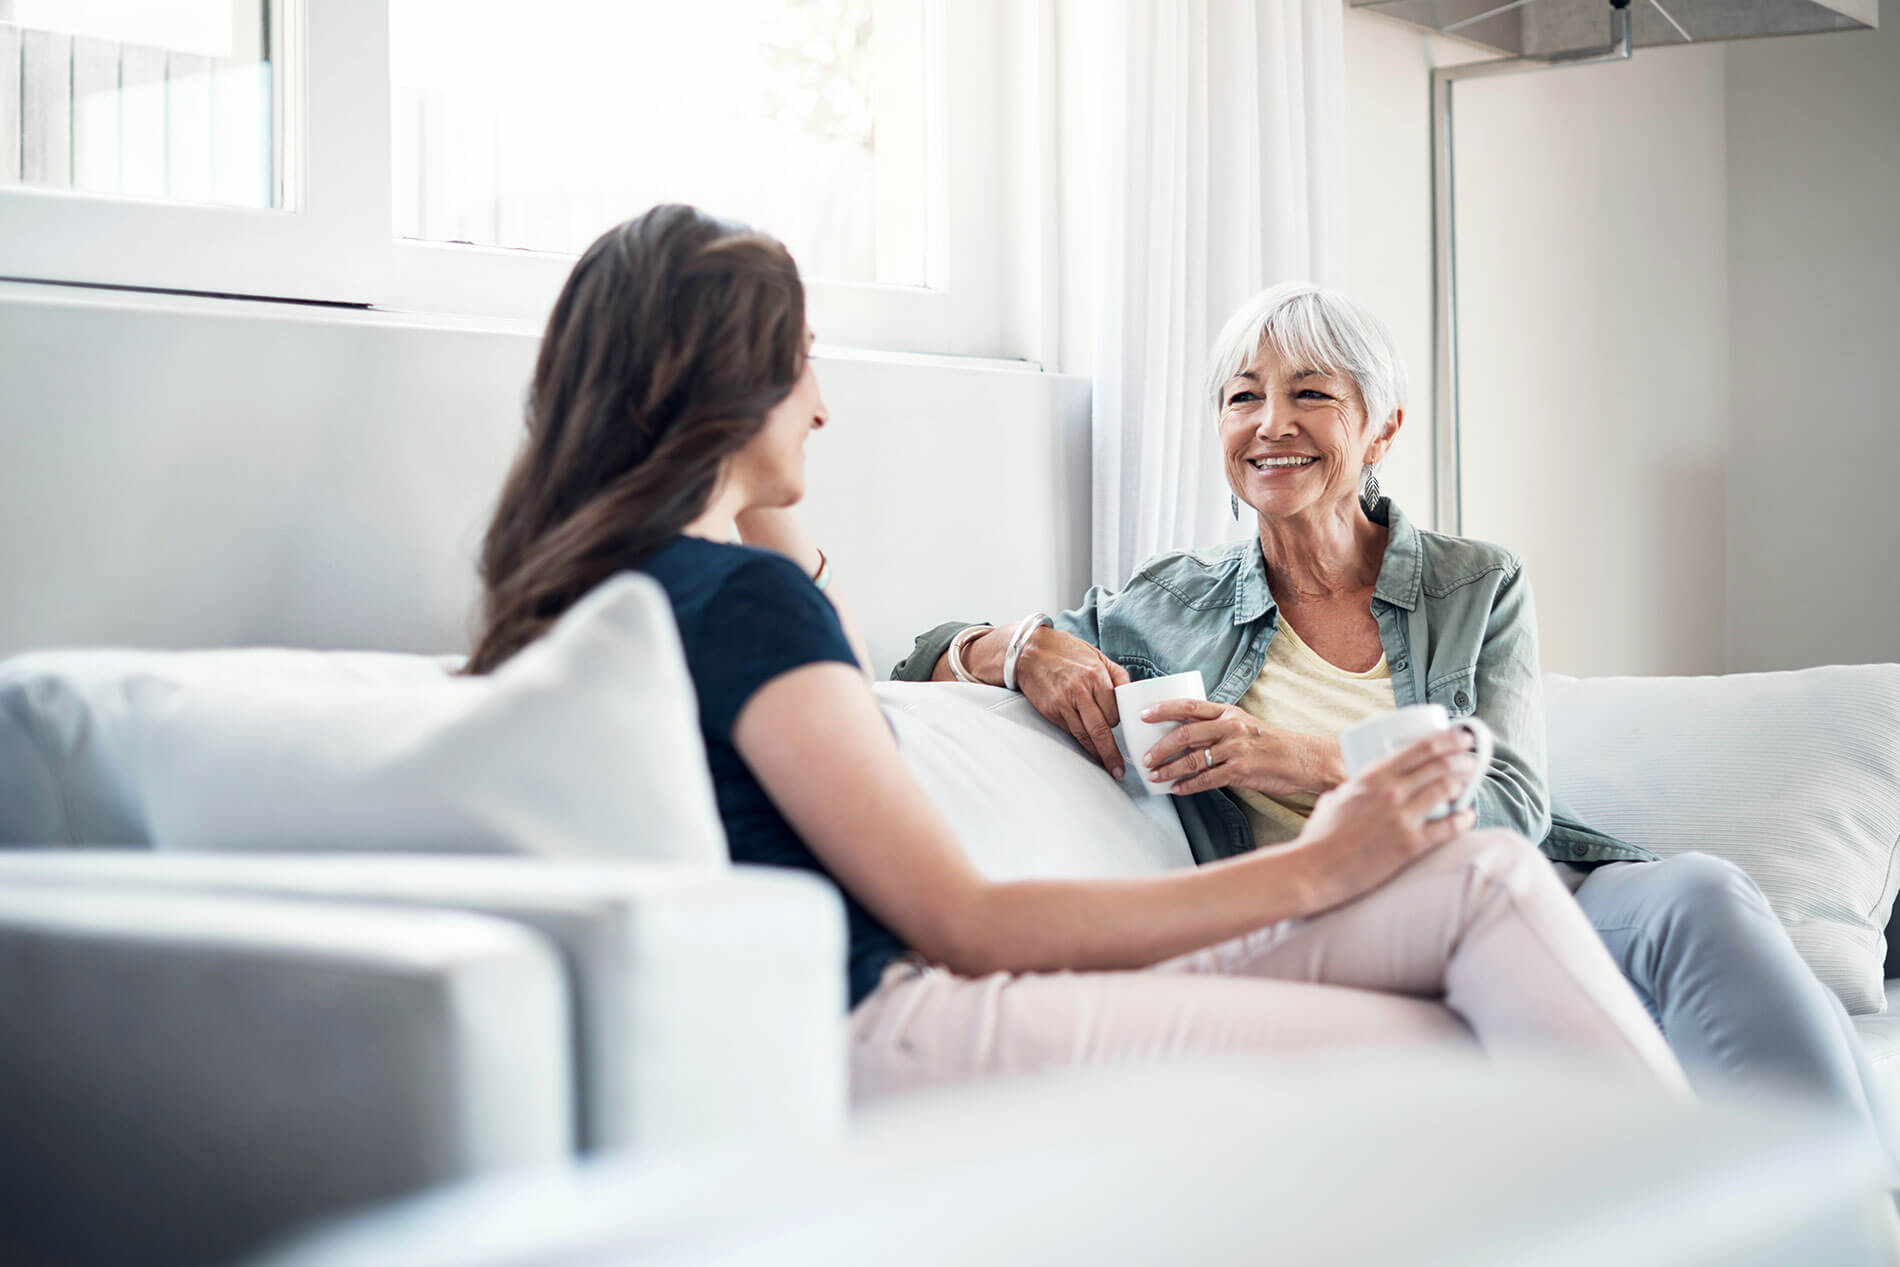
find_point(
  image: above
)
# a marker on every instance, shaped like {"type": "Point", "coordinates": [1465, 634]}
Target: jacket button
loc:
{"type": "Point", "coordinates": [1399, 664]}
{"type": "Point", "coordinates": [1462, 700]}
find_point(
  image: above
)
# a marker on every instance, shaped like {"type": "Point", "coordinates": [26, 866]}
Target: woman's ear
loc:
{"type": "Point", "coordinates": [1377, 450]}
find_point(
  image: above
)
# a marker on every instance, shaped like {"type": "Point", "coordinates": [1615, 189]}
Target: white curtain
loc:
{"type": "Point", "coordinates": [1217, 166]}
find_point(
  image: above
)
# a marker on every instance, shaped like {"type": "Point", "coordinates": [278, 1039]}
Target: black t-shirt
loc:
{"type": "Point", "coordinates": [746, 616]}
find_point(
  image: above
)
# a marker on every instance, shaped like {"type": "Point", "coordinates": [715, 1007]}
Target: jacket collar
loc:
{"type": "Point", "coordinates": [1401, 573]}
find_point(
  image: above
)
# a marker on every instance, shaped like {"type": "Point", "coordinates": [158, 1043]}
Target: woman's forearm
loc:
{"type": "Point", "coordinates": [824, 753]}
{"type": "Point", "coordinates": [1127, 923]}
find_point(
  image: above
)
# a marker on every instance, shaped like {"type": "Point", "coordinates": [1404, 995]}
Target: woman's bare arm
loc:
{"type": "Point", "coordinates": [816, 741]}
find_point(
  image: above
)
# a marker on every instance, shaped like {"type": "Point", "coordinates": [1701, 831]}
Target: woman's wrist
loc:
{"type": "Point", "coordinates": [1294, 764]}
{"type": "Point", "coordinates": [983, 657]}
{"type": "Point", "coordinates": [1308, 873]}
{"type": "Point", "coordinates": [1325, 765]}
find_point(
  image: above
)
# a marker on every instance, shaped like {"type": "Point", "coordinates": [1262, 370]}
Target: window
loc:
{"type": "Point", "coordinates": [536, 129]}
{"type": "Point", "coordinates": [452, 156]}
{"type": "Point", "coordinates": [161, 99]}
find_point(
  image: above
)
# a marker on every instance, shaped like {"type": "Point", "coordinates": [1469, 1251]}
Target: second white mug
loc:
{"type": "Point", "coordinates": [1378, 737]}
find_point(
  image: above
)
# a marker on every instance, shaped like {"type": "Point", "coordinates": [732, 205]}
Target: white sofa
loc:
{"type": "Point", "coordinates": [704, 1002]}
{"type": "Point", "coordinates": [1205, 1163]}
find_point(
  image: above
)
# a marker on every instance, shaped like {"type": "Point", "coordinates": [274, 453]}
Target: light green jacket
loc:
{"type": "Point", "coordinates": [1456, 622]}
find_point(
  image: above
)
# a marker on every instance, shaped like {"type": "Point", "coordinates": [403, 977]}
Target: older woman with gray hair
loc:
{"type": "Point", "coordinates": [1339, 608]}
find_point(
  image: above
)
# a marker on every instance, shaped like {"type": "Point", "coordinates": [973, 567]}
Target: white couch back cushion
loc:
{"type": "Point", "coordinates": [585, 744]}
{"type": "Point", "coordinates": [1019, 792]}
{"type": "Point", "coordinates": [1795, 777]}
{"type": "Point", "coordinates": [68, 768]}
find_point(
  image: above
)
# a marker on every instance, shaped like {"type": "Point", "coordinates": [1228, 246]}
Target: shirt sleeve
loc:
{"type": "Point", "coordinates": [1510, 690]}
{"type": "Point", "coordinates": [765, 620]}
{"type": "Point", "coordinates": [926, 650]}
{"type": "Point", "coordinates": [1085, 622]}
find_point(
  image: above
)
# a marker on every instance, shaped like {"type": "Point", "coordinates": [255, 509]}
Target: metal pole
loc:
{"type": "Point", "coordinates": [1447, 496]}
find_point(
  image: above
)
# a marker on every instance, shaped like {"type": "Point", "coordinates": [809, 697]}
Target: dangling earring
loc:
{"type": "Point", "coordinates": [1369, 496]}
{"type": "Point", "coordinates": [1233, 504]}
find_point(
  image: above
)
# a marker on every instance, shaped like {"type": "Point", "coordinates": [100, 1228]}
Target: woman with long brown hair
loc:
{"type": "Point", "coordinates": [667, 421]}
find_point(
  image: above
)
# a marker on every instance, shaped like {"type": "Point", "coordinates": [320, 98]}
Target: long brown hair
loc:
{"type": "Point", "coordinates": [674, 336]}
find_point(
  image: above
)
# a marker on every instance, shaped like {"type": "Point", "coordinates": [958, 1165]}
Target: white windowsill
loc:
{"type": "Point", "coordinates": [53, 294]}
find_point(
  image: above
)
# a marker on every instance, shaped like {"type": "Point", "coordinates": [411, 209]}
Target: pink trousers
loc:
{"type": "Point", "coordinates": [1476, 940]}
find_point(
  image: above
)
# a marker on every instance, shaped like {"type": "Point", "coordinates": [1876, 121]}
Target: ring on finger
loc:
{"type": "Point", "coordinates": [1208, 752]}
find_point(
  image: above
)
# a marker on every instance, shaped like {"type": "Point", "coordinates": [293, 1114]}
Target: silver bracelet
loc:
{"type": "Point", "coordinates": [1025, 629]}
{"type": "Point", "coordinates": [964, 637]}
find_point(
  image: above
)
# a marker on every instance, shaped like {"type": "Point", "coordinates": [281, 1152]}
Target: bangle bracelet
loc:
{"type": "Point", "coordinates": [822, 577]}
{"type": "Point", "coordinates": [959, 644]}
{"type": "Point", "coordinates": [1025, 629]}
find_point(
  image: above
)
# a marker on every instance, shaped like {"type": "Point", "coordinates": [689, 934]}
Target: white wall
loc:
{"type": "Point", "coordinates": [180, 472]}
{"type": "Point", "coordinates": [1389, 186]}
{"type": "Point", "coordinates": [1593, 318]}
{"type": "Point", "coordinates": [1593, 310]}
{"type": "Point", "coordinates": [1814, 254]}
{"type": "Point", "coordinates": [1681, 349]}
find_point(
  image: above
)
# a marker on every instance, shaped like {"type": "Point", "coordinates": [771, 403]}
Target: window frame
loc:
{"type": "Point", "coordinates": [988, 65]}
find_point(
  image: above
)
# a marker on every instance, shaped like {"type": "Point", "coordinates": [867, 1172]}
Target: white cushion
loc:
{"type": "Point", "coordinates": [68, 770]}
{"type": "Point", "coordinates": [1019, 791]}
{"type": "Point", "coordinates": [585, 744]}
{"type": "Point", "coordinates": [1794, 777]}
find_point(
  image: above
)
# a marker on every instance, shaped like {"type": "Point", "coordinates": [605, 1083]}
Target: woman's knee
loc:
{"type": "Point", "coordinates": [1492, 850]}
{"type": "Point", "coordinates": [1706, 907]}
{"type": "Point", "coordinates": [1708, 886]}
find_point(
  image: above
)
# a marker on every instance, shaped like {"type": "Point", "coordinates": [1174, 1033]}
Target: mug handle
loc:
{"type": "Point", "coordinates": [1481, 737]}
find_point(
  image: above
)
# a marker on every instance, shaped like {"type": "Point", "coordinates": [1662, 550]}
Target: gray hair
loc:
{"type": "Point", "coordinates": [1316, 328]}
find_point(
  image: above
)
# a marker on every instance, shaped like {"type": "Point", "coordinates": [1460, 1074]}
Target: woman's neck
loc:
{"type": "Point", "coordinates": [1322, 554]}
{"type": "Point", "coordinates": [719, 521]}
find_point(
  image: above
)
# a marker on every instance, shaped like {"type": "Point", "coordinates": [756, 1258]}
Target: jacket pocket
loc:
{"type": "Point", "coordinates": [1140, 667]}
{"type": "Point", "coordinates": [1457, 691]}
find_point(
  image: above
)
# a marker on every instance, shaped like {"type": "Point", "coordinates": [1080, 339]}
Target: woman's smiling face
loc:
{"type": "Point", "coordinates": [1294, 437]}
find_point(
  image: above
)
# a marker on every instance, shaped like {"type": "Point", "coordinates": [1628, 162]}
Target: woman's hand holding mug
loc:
{"type": "Point", "coordinates": [1224, 745]}
{"type": "Point", "coordinates": [1398, 806]}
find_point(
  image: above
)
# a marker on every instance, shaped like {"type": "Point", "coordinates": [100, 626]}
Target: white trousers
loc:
{"type": "Point", "coordinates": [1476, 940]}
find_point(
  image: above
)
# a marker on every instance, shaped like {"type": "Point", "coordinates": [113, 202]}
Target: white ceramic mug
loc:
{"type": "Point", "coordinates": [1138, 736]}
{"type": "Point", "coordinates": [1378, 737]}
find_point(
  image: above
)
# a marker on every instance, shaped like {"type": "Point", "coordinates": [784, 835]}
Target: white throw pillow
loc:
{"type": "Point", "coordinates": [585, 744]}
{"type": "Point", "coordinates": [1794, 777]}
{"type": "Point", "coordinates": [68, 765]}
{"type": "Point", "coordinates": [1019, 792]}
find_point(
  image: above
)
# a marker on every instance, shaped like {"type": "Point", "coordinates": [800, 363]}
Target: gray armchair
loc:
{"type": "Point", "coordinates": [708, 1004]}
{"type": "Point", "coordinates": [186, 1076]}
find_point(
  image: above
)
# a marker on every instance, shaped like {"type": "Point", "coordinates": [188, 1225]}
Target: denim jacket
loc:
{"type": "Point", "coordinates": [1456, 622]}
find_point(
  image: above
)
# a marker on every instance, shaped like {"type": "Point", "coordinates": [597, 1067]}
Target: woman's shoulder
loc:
{"type": "Point", "coordinates": [697, 574]}
{"type": "Point", "coordinates": [1164, 583]}
{"type": "Point", "coordinates": [1196, 570]}
{"type": "Point", "coordinates": [1449, 562]}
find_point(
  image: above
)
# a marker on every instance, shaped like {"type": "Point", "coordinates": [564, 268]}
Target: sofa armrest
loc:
{"type": "Point", "coordinates": [187, 1075]}
{"type": "Point", "coordinates": [709, 1005]}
